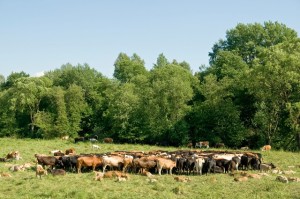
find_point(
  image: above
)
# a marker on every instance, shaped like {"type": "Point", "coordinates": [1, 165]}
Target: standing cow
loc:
{"type": "Point", "coordinates": [204, 144]}
{"type": "Point", "coordinates": [108, 140]}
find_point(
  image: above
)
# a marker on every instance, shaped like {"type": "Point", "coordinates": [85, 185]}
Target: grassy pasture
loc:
{"type": "Point", "coordinates": [26, 185]}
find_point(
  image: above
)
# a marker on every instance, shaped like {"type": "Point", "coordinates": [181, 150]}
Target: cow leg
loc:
{"type": "Point", "coordinates": [79, 169]}
{"type": "Point", "coordinates": [104, 167]}
{"type": "Point", "coordinates": [159, 171]}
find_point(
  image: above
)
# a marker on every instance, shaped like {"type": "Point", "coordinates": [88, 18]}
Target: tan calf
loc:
{"type": "Point", "coordinates": [40, 171]}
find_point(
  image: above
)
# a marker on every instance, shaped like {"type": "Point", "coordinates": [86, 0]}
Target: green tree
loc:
{"type": "Point", "coordinates": [128, 67]}
{"type": "Point", "coordinates": [254, 61]}
{"type": "Point", "coordinates": [76, 108]}
{"type": "Point", "coordinates": [161, 61]}
{"type": "Point", "coordinates": [26, 95]}
{"type": "Point", "coordinates": [123, 105]}
{"type": "Point", "coordinates": [12, 78]}
{"type": "Point", "coordinates": [93, 86]}
{"type": "Point", "coordinates": [172, 89]}
{"type": "Point", "coordinates": [246, 39]}
{"type": "Point", "coordinates": [275, 84]}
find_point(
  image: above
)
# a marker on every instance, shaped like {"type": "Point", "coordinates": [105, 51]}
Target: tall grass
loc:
{"type": "Point", "coordinates": [73, 185]}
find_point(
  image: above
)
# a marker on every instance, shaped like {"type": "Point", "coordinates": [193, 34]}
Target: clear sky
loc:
{"type": "Point", "coordinates": [42, 35]}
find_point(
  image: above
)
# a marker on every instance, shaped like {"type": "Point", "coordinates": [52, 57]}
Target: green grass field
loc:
{"type": "Point", "coordinates": [24, 184]}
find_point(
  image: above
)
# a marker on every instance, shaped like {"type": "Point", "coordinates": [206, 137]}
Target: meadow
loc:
{"type": "Point", "coordinates": [24, 184]}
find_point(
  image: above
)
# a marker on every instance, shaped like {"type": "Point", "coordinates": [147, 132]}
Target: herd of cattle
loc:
{"type": "Point", "coordinates": [188, 162]}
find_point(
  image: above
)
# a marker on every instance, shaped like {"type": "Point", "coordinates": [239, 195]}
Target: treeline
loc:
{"type": "Point", "coordinates": [248, 95]}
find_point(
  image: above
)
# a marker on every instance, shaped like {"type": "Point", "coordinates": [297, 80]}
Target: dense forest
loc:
{"type": "Point", "coordinates": [249, 95]}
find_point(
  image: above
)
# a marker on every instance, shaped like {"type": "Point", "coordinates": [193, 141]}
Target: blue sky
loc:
{"type": "Point", "coordinates": [42, 35]}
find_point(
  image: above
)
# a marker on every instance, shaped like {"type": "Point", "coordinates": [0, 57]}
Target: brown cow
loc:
{"type": "Point", "coordinates": [108, 140]}
{"type": "Point", "coordinates": [163, 163]}
{"type": "Point", "coordinates": [70, 151]}
{"type": "Point", "coordinates": [190, 145]}
{"type": "Point", "coordinates": [144, 163]}
{"type": "Point", "coordinates": [266, 148]}
{"type": "Point", "coordinates": [88, 162]}
{"type": "Point", "coordinates": [48, 160]}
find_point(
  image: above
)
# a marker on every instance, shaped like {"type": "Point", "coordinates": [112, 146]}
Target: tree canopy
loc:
{"type": "Point", "coordinates": [248, 95]}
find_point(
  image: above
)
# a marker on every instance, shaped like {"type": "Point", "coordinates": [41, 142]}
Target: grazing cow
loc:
{"type": "Point", "coordinates": [112, 161]}
{"type": "Point", "coordinates": [266, 148]}
{"type": "Point", "coordinates": [163, 163]}
{"type": "Point", "coordinates": [220, 145]}
{"type": "Point", "coordinates": [93, 140]}
{"type": "Point", "coordinates": [95, 147]}
{"type": "Point", "coordinates": [204, 144]}
{"type": "Point", "coordinates": [70, 151]}
{"type": "Point", "coordinates": [49, 161]}
{"type": "Point", "coordinates": [108, 140]}
{"type": "Point", "coordinates": [56, 172]}
{"type": "Point", "coordinates": [190, 145]}
{"type": "Point", "coordinates": [245, 148]}
{"type": "Point", "coordinates": [79, 139]}
{"type": "Point", "coordinates": [93, 161]}
{"type": "Point", "coordinates": [40, 171]}
{"type": "Point", "coordinates": [144, 163]}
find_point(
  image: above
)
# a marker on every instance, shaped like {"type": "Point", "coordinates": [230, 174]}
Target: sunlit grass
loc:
{"type": "Point", "coordinates": [26, 185]}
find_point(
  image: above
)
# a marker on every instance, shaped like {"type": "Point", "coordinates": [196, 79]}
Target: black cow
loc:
{"type": "Point", "coordinates": [255, 163]}
{"type": "Point", "coordinates": [79, 139]}
{"type": "Point", "coordinates": [223, 164]}
{"type": "Point", "coordinates": [209, 166]}
{"type": "Point", "coordinates": [181, 165]}
{"type": "Point", "coordinates": [190, 165]}
{"type": "Point", "coordinates": [70, 162]}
